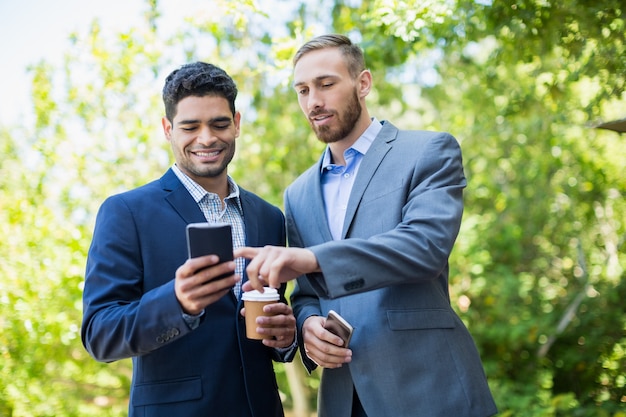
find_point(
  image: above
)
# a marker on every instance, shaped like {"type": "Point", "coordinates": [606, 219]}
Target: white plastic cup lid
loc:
{"type": "Point", "coordinates": [268, 294]}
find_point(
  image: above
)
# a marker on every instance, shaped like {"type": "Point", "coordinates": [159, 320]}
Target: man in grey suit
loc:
{"type": "Point", "coordinates": [371, 227]}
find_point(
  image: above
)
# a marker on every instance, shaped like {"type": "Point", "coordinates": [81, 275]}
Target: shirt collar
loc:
{"type": "Point", "coordinates": [361, 145]}
{"type": "Point", "coordinates": [198, 192]}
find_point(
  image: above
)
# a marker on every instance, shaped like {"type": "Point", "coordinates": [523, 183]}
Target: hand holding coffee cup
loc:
{"type": "Point", "coordinates": [254, 301]}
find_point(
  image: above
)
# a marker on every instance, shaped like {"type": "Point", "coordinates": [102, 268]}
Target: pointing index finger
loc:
{"type": "Point", "coordinates": [252, 271]}
{"type": "Point", "coordinates": [245, 252]}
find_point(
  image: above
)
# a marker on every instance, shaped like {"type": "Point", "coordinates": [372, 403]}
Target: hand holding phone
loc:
{"type": "Point", "coordinates": [210, 239]}
{"type": "Point", "coordinates": [339, 326]}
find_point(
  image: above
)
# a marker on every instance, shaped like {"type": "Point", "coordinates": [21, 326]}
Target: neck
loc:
{"type": "Point", "coordinates": [217, 185]}
{"type": "Point", "coordinates": [338, 148]}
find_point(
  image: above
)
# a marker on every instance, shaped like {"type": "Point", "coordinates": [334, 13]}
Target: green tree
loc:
{"type": "Point", "coordinates": [538, 266]}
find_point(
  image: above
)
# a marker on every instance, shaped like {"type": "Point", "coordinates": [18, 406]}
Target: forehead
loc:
{"type": "Point", "coordinates": [205, 107]}
{"type": "Point", "coordinates": [320, 63]}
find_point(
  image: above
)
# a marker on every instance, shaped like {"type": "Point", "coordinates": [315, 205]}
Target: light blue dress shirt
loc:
{"type": "Point", "coordinates": [337, 180]}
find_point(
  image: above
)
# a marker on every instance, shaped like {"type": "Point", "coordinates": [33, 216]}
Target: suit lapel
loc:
{"type": "Point", "coordinates": [251, 226]}
{"type": "Point", "coordinates": [180, 199]}
{"type": "Point", "coordinates": [251, 223]}
{"type": "Point", "coordinates": [316, 199]}
{"type": "Point", "coordinates": [367, 169]}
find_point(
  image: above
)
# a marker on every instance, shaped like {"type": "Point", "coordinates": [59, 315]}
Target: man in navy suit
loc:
{"type": "Point", "coordinates": [372, 225]}
{"type": "Point", "coordinates": [144, 299]}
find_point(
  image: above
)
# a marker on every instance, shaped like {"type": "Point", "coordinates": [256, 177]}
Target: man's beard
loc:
{"type": "Point", "coordinates": [347, 121]}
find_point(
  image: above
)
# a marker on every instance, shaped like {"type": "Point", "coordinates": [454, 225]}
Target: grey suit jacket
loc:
{"type": "Point", "coordinates": [388, 276]}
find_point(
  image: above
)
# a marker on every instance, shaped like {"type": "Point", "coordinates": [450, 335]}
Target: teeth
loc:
{"type": "Point", "coordinates": [207, 154]}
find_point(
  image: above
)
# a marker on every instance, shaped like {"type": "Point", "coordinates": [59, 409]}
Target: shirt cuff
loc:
{"type": "Point", "coordinates": [287, 354]}
{"type": "Point", "coordinates": [193, 321]}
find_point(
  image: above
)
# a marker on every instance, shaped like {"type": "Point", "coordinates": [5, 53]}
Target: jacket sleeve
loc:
{"type": "Point", "coordinates": [406, 222]}
{"type": "Point", "coordinates": [120, 318]}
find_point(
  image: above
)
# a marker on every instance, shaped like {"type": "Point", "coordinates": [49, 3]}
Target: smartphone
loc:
{"type": "Point", "coordinates": [210, 239]}
{"type": "Point", "coordinates": [339, 326]}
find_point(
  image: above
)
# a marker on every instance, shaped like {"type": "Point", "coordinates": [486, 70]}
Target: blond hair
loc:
{"type": "Point", "coordinates": [351, 52]}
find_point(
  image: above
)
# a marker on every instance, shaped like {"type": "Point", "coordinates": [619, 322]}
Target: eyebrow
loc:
{"type": "Point", "coordinates": [316, 79]}
{"type": "Point", "coordinates": [214, 120]}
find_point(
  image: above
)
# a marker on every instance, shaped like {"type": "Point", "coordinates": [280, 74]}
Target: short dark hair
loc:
{"type": "Point", "coordinates": [197, 79]}
{"type": "Point", "coordinates": [353, 53]}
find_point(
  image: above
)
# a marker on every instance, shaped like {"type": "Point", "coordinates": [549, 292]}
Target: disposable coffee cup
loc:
{"type": "Point", "coordinates": [254, 301]}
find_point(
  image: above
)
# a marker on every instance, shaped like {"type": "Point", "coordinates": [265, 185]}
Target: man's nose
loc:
{"type": "Point", "coordinates": [205, 136]}
{"type": "Point", "coordinates": [314, 100]}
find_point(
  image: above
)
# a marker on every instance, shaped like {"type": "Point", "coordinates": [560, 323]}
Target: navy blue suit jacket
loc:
{"type": "Point", "coordinates": [130, 309]}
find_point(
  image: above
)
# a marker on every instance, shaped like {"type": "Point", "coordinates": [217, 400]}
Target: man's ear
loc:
{"type": "Point", "coordinates": [365, 83]}
{"type": "Point", "coordinates": [237, 120]}
{"type": "Point", "coordinates": [167, 128]}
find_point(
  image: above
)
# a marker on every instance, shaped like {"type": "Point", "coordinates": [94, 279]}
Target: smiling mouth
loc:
{"type": "Point", "coordinates": [320, 118]}
{"type": "Point", "coordinates": [206, 154]}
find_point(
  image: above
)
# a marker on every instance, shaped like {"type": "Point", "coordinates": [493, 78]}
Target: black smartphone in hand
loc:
{"type": "Point", "coordinates": [210, 239]}
{"type": "Point", "coordinates": [339, 326]}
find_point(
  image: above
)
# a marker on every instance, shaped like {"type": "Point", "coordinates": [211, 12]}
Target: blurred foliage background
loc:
{"type": "Point", "coordinates": [538, 269]}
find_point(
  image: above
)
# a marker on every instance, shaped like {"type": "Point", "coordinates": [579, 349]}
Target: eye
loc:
{"type": "Point", "coordinates": [188, 129]}
{"type": "Point", "coordinates": [221, 126]}
{"type": "Point", "coordinates": [302, 91]}
{"type": "Point", "coordinates": [326, 85]}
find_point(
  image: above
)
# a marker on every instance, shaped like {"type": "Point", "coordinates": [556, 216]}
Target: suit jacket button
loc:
{"type": "Point", "coordinates": [353, 285]}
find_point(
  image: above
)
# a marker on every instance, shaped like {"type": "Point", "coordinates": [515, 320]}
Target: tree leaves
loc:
{"type": "Point", "coordinates": [519, 84]}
